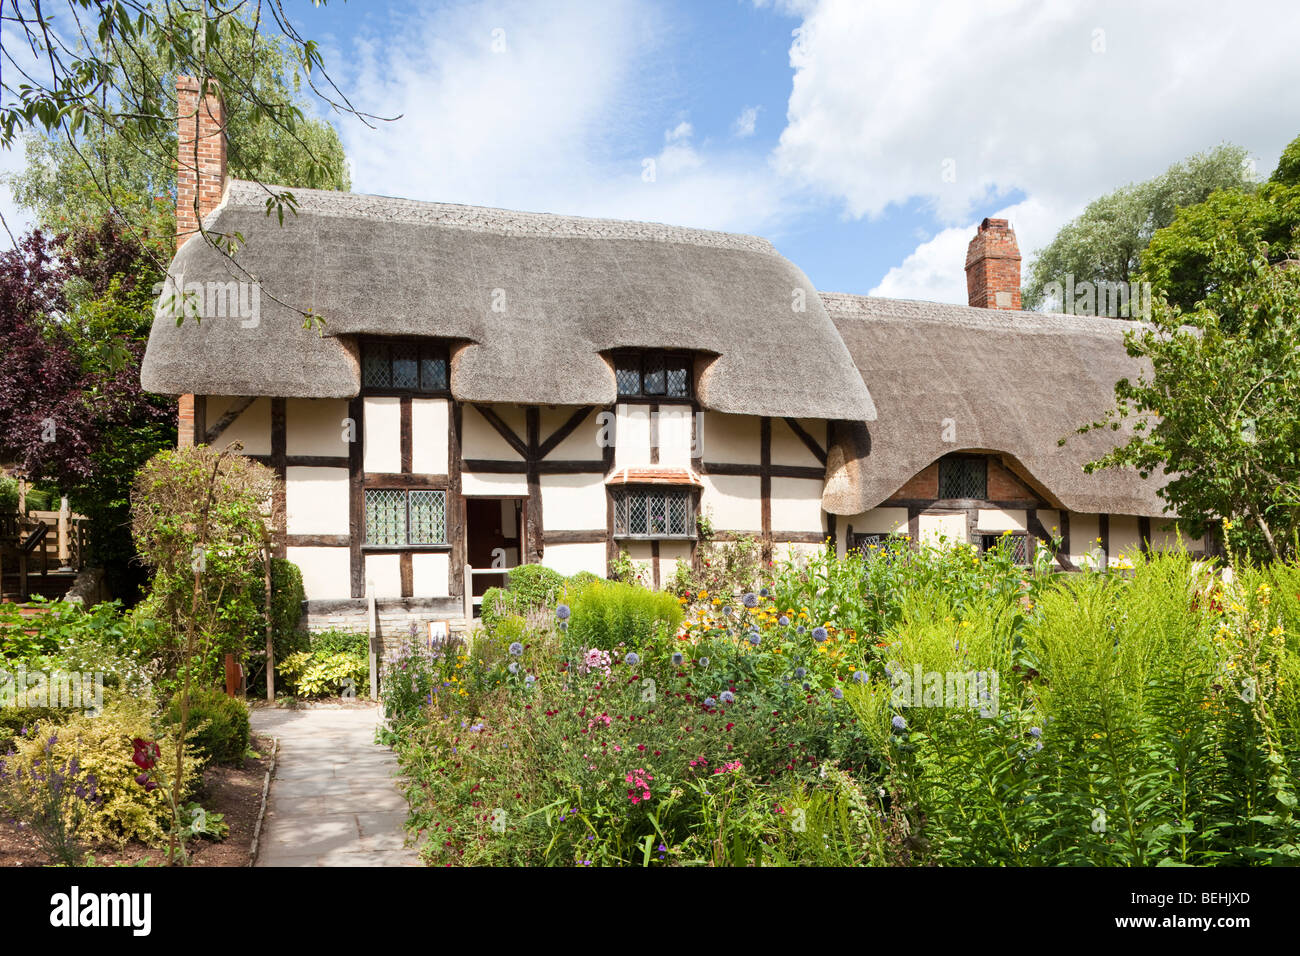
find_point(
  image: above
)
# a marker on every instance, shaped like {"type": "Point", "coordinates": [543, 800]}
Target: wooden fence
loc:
{"type": "Point", "coordinates": [40, 552]}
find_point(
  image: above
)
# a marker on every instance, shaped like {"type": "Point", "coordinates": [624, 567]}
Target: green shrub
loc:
{"type": "Point", "coordinates": [102, 746]}
{"type": "Point", "coordinates": [340, 642]}
{"type": "Point", "coordinates": [534, 584]}
{"type": "Point", "coordinates": [579, 581]}
{"type": "Point", "coordinates": [497, 605]}
{"type": "Point", "coordinates": [40, 499]}
{"type": "Point", "coordinates": [324, 673]}
{"type": "Point", "coordinates": [608, 613]}
{"type": "Point", "coordinates": [220, 725]}
{"type": "Point", "coordinates": [287, 595]}
{"type": "Point", "coordinates": [8, 495]}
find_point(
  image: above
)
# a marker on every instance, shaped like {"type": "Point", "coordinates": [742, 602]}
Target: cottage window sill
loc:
{"type": "Point", "coordinates": [397, 548]}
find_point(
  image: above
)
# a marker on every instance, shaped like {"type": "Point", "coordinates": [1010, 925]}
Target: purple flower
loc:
{"type": "Point", "coordinates": [819, 634]}
{"type": "Point", "coordinates": [837, 693]}
{"type": "Point", "coordinates": [516, 649]}
{"type": "Point", "coordinates": [727, 697]}
{"type": "Point", "coordinates": [899, 724]}
{"type": "Point", "coordinates": [632, 659]}
{"type": "Point", "coordinates": [750, 600]}
{"type": "Point", "coordinates": [562, 612]}
{"type": "Point", "coordinates": [860, 676]}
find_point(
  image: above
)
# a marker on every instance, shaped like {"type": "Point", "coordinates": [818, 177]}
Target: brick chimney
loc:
{"type": "Point", "coordinates": [200, 182]}
{"type": "Point", "coordinates": [993, 267]}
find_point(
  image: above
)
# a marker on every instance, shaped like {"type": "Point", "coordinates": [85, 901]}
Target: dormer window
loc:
{"type": "Point", "coordinates": [964, 477]}
{"type": "Point", "coordinates": [404, 366]}
{"type": "Point", "coordinates": [653, 374]}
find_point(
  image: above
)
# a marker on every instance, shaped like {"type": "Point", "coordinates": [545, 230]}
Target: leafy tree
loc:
{"type": "Point", "coordinates": [1218, 410]}
{"type": "Point", "coordinates": [109, 171]}
{"type": "Point", "coordinates": [97, 77]}
{"type": "Point", "coordinates": [1106, 243]}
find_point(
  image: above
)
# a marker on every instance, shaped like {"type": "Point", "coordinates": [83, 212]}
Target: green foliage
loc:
{"type": "Point", "coordinates": [340, 642]}
{"type": "Point", "coordinates": [498, 604]}
{"type": "Point", "coordinates": [102, 747]}
{"type": "Point", "coordinates": [1107, 242]}
{"type": "Point", "coordinates": [322, 674]}
{"type": "Point", "coordinates": [8, 495]}
{"type": "Point", "coordinates": [725, 568]}
{"type": "Point", "coordinates": [287, 595]}
{"type": "Point", "coordinates": [580, 580]}
{"type": "Point", "coordinates": [70, 637]}
{"type": "Point", "coordinates": [198, 521]}
{"type": "Point", "coordinates": [220, 725]}
{"type": "Point", "coordinates": [534, 585]}
{"type": "Point", "coordinates": [607, 614]}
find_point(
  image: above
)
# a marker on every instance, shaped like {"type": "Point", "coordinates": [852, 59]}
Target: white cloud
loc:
{"type": "Point", "coordinates": [935, 270]}
{"type": "Point", "coordinates": [745, 122]}
{"type": "Point", "coordinates": [545, 124]}
{"type": "Point", "coordinates": [959, 104]}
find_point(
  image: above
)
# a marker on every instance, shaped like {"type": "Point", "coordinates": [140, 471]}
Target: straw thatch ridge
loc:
{"type": "Point", "coordinates": [1003, 381]}
{"type": "Point", "coordinates": [534, 301]}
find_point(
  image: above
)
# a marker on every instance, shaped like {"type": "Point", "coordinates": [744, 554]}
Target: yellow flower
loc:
{"type": "Point", "coordinates": [1227, 526]}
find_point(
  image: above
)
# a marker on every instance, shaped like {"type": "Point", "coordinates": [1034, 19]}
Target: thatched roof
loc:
{"type": "Point", "coordinates": [1011, 382]}
{"type": "Point", "coordinates": [571, 289]}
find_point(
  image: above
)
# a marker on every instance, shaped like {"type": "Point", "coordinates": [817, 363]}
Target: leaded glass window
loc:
{"type": "Point", "coordinates": [654, 513]}
{"type": "Point", "coordinates": [653, 374]}
{"type": "Point", "coordinates": [963, 478]}
{"type": "Point", "coordinates": [396, 518]}
{"type": "Point", "coordinates": [407, 366]}
{"type": "Point", "coordinates": [1017, 542]}
{"type": "Point", "coordinates": [868, 544]}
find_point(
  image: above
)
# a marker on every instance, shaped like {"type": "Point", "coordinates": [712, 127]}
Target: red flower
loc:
{"type": "Point", "coordinates": [146, 753]}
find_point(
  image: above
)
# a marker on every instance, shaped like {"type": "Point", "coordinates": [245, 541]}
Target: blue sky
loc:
{"type": "Point", "coordinates": [864, 139]}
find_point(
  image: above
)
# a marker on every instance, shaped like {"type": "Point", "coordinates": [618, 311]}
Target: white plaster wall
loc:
{"type": "Point", "coordinates": [733, 502]}
{"type": "Point", "coordinates": [798, 551]}
{"type": "Point", "coordinates": [789, 449]}
{"type": "Point", "coordinates": [994, 519]}
{"type": "Point", "coordinates": [639, 552]}
{"type": "Point", "coordinates": [582, 444]}
{"type": "Point", "coordinates": [382, 435]}
{"type": "Point", "coordinates": [315, 426]}
{"type": "Point", "coordinates": [796, 505]}
{"type": "Point", "coordinates": [429, 574]}
{"type": "Point", "coordinates": [934, 527]}
{"type": "Point", "coordinates": [316, 500]}
{"type": "Point", "coordinates": [734, 439]}
{"type": "Point", "coordinates": [674, 428]}
{"type": "Point", "coordinates": [486, 484]}
{"type": "Point", "coordinates": [876, 521]}
{"type": "Point", "coordinates": [572, 502]}
{"type": "Point", "coordinates": [1050, 519]}
{"type": "Point", "coordinates": [385, 570]}
{"type": "Point", "coordinates": [326, 572]}
{"type": "Point", "coordinates": [480, 440]}
{"type": "Point", "coordinates": [1084, 531]}
{"type": "Point", "coordinates": [252, 427]}
{"type": "Point", "coordinates": [429, 439]}
{"type": "Point", "coordinates": [572, 558]}
{"type": "Point", "coordinates": [1125, 538]}
{"type": "Point", "coordinates": [632, 437]}
{"type": "Point", "coordinates": [1164, 537]}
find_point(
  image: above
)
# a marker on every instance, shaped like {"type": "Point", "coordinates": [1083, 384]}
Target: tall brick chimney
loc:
{"type": "Point", "coordinates": [200, 181]}
{"type": "Point", "coordinates": [993, 267]}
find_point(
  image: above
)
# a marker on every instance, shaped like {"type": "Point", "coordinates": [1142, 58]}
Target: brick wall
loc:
{"type": "Point", "coordinates": [993, 267]}
{"type": "Point", "coordinates": [924, 484]}
{"type": "Point", "coordinates": [1005, 486]}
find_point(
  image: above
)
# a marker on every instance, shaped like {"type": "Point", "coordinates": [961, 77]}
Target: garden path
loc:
{"type": "Point", "coordinates": [333, 800]}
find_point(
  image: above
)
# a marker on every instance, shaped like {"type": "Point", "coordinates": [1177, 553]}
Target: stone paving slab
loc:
{"type": "Point", "coordinates": [334, 799]}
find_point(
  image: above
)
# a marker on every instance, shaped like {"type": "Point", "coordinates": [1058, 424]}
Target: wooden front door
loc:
{"type": "Point", "coordinates": [492, 538]}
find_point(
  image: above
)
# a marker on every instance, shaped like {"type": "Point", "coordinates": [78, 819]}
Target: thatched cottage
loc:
{"type": "Point", "coordinates": [496, 387]}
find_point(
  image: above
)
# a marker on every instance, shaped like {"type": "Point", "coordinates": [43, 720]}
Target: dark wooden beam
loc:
{"type": "Point", "coordinates": [818, 451]}
{"type": "Point", "coordinates": [1103, 532]}
{"type": "Point", "coordinates": [318, 540]}
{"type": "Point", "coordinates": [225, 421]}
{"type": "Point", "coordinates": [533, 538]}
{"type": "Point", "coordinates": [455, 505]}
{"type": "Point", "coordinates": [374, 479]}
{"type": "Point", "coordinates": [406, 568]}
{"type": "Point", "coordinates": [1144, 534]}
{"type": "Point", "coordinates": [654, 562]}
{"type": "Point", "coordinates": [765, 486]}
{"type": "Point", "coordinates": [356, 498]}
{"type": "Point", "coordinates": [654, 456]}
{"type": "Point", "coordinates": [200, 431]}
{"type": "Point", "coordinates": [316, 461]}
{"type": "Point", "coordinates": [563, 432]}
{"type": "Point", "coordinates": [594, 536]}
{"type": "Point", "coordinates": [405, 437]}
{"type": "Point", "coordinates": [758, 471]}
{"type": "Point", "coordinates": [496, 466]}
{"type": "Point", "coordinates": [279, 442]}
{"type": "Point", "coordinates": [504, 430]}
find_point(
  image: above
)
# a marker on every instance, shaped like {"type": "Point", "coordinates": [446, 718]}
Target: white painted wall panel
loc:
{"type": "Point", "coordinates": [572, 558]}
{"type": "Point", "coordinates": [1084, 530]}
{"type": "Point", "coordinates": [734, 439]}
{"type": "Point", "coordinates": [385, 571]}
{"type": "Point", "coordinates": [383, 435]}
{"type": "Point", "coordinates": [315, 426]}
{"type": "Point", "coordinates": [326, 572]}
{"type": "Point", "coordinates": [316, 500]}
{"type": "Point", "coordinates": [429, 423]}
{"type": "Point", "coordinates": [733, 502]}
{"type": "Point", "coordinates": [674, 435]}
{"type": "Point", "coordinates": [429, 574]}
{"type": "Point", "coordinates": [942, 529]}
{"type": "Point", "coordinates": [995, 519]}
{"type": "Point", "coordinates": [632, 436]}
{"type": "Point", "coordinates": [1125, 539]}
{"type": "Point", "coordinates": [796, 505]}
{"type": "Point", "coordinates": [480, 440]}
{"type": "Point", "coordinates": [252, 427]}
{"type": "Point", "coordinates": [789, 449]}
{"type": "Point", "coordinates": [573, 502]}
{"type": "Point", "coordinates": [486, 484]}
{"type": "Point", "coordinates": [582, 444]}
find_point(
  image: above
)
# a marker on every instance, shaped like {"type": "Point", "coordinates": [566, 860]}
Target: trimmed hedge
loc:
{"type": "Point", "coordinates": [219, 725]}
